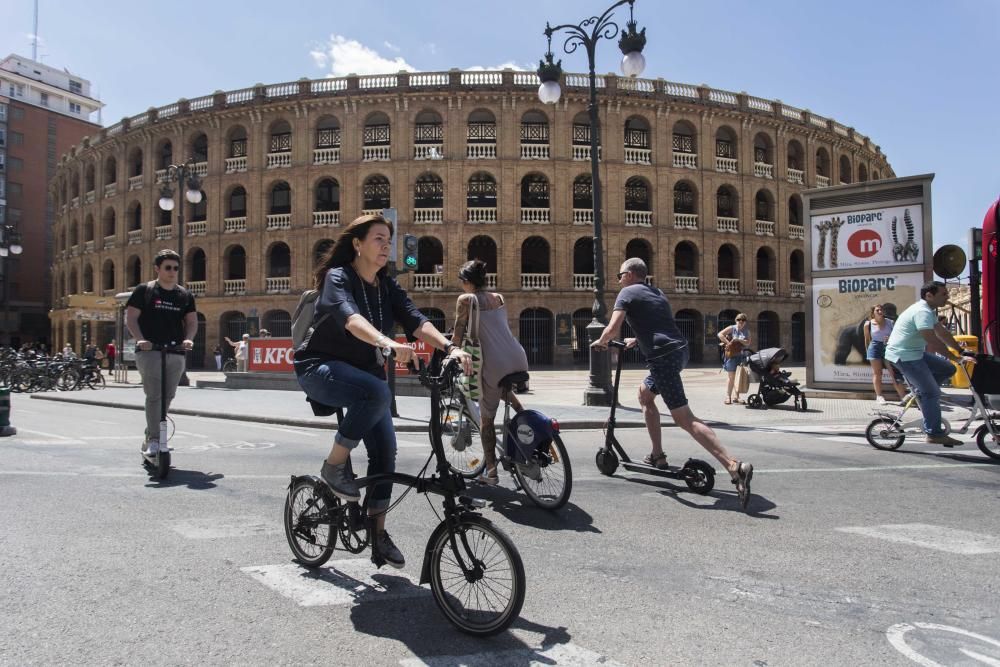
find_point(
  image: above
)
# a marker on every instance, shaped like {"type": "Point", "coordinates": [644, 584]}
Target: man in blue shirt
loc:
{"type": "Point", "coordinates": [916, 334]}
{"type": "Point", "coordinates": [666, 350]}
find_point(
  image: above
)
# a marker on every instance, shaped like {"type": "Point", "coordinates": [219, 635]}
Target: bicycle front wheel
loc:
{"type": "Point", "coordinates": [463, 446]}
{"type": "Point", "coordinates": [310, 536]}
{"type": "Point", "coordinates": [549, 483]}
{"type": "Point", "coordinates": [478, 582]}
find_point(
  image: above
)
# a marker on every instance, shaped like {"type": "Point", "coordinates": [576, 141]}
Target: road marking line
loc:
{"type": "Point", "coordinates": [137, 438]}
{"type": "Point", "coordinates": [211, 528]}
{"type": "Point", "coordinates": [47, 435]}
{"type": "Point", "coordinates": [940, 538]}
{"type": "Point", "coordinates": [98, 421]}
{"type": "Point", "coordinates": [916, 466]}
{"type": "Point", "coordinates": [560, 654]}
{"type": "Point", "coordinates": [61, 443]}
{"type": "Point", "coordinates": [897, 637]}
{"type": "Point", "coordinates": [340, 583]}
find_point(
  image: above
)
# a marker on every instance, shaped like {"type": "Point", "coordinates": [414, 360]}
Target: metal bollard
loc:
{"type": "Point", "coordinates": [5, 428]}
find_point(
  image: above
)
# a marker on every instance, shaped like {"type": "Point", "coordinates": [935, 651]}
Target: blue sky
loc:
{"type": "Point", "coordinates": [921, 78]}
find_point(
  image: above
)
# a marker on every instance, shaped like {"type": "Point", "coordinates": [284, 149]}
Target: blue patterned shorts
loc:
{"type": "Point", "coordinates": [665, 377]}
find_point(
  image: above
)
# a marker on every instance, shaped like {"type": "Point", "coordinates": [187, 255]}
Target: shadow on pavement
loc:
{"type": "Point", "coordinates": [415, 620]}
{"type": "Point", "coordinates": [722, 500]}
{"type": "Point", "coordinates": [518, 508]}
{"type": "Point", "coordinates": [192, 479]}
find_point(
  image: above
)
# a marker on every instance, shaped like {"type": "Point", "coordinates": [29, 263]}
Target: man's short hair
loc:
{"type": "Point", "coordinates": [166, 254]}
{"type": "Point", "coordinates": [636, 266]}
{"type": "Point", "coordinates": [931, 288]}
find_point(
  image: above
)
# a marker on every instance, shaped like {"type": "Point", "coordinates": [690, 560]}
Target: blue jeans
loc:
{"type": "Point", "coordinates": [925, 377]}
{"type": "Point", "coordinates": [368, 416]}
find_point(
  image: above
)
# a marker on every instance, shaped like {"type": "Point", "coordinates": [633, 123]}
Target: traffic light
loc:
{"type": "Point", "coordinates": [411, 255]}
{"type": "Point", "coordinates": [976, 241]}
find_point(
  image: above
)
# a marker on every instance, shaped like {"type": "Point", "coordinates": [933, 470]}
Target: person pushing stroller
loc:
{"type": "Point", "coordinates": [666, 350]}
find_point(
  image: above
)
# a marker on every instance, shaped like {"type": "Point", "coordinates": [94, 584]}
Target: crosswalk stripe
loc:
{"type": "Point", "coordinates": [939, 538]}
{"type": "Point", "coordinates": [565, 655]}
{"type": "Point", "coordinates": [340, 582]}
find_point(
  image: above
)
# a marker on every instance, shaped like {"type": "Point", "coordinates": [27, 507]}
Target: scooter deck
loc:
{"type": "Point", "coordinates": [673, 472]}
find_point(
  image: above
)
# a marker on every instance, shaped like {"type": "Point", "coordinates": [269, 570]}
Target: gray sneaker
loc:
{"type": "Point", "coordinates": [340, 482]}
{"type": "Point", "coordinates": [388, 551]}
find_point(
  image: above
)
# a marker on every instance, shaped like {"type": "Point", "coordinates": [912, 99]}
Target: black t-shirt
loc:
{"type": "Point", "coordinates": [649, 314]}
{"type": "Point", "coordinates": [161, 316]}
{"type": "Point", "coordinates": [344, 294]}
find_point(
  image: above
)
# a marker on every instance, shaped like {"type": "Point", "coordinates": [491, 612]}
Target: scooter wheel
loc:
{"type": "Point", "coordinates": [163, 465]}
{"type": "Point", "coordinates": [699, 476]}
{"type": "Point", "coordinates": [607, 462]}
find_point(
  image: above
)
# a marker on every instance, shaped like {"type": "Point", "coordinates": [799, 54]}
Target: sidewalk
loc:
{"type": "Point", "coordinates": [558, 394]}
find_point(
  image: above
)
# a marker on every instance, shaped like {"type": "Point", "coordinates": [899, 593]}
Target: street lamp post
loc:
{"type": "Point", "coordinates": [184, 175]}
{"type": "Point", "coordinates": [587, 34]}
{"type": "Point", "coordinates": [10, 244]}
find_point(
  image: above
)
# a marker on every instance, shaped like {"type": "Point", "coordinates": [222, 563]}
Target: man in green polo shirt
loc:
{"type": "Point", "coordinates": [916, 335]}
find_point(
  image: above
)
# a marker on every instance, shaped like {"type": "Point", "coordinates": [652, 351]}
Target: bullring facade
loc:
{"type": "Point", "coordinates": [704, 184]}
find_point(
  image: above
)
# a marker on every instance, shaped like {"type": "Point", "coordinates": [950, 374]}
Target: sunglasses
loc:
{"type": "Point", "coordinates": [169, 267]}
{"type": "Point", "coordinates": [741, 319]}
{"type": "Point", "coordinates": [622, 273]}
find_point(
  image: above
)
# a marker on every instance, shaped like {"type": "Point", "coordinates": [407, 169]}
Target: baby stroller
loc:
{"type": "Point", "coordinates": [776, 386]}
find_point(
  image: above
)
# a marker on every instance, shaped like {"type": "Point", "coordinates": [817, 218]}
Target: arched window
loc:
{"type": "Point", "coordinates": [135, 162]}
{"type": "Point", "coordinates": [685, 260]}
{"type": "Point", "coordinates": [280, 199]}
{"type": "Point", "coordinates": [327, 133]}
{"type": "Point", "coordinates": [796, 160]}
{"type": "Point", "coordinates": [164, 154]}
{"type": "Point", "coordinates": [641, 249]}
{"type": "Point", "coordinates": [535, 256]}
{"type": "Point", "coordinates": [845, 170]}
{"type": "Point", "coordinates": [765, 264]}
{"type": "Point", "coordinates": [796, 267]}
{"type": "Point", "coordinates": [485, 249]}
{"type": "Point", "coordinates": [108, 223]}
{"type": "Point", "coordinates": [108, 276]}
{"type": "Point", "coordinates": [768, 330]}
{"type": "Point", "coordinates": [537, 335]}
{"type": "Point", "coordinates": [198, 212]}
{"type": "Point", "coordinates": [428, 135]}
{"type": "Point", "coordinates": [685, 140]}
{"type": "Point", "coordinates": [581, 134]}
{"type": "Point", "coordinates": [88, 179]}
{"type": "Point", "coordinates": [237, 205]}
{"type": "Point", "coordinates": [110, 171]}
{"type": "Point", "coordinates": [280, 137]}
{"type": "Point", "coordinates": [482, 192]}
{"type": "Point", "coordinates": [133, 271]}
{"type": "Point", "coordinates": [236, 145]}
{"type": "Point", "coordinates": [763, 151]}
{"type": "Point", "coordinates": [637, 195]}
{"type": "Point", "coordinates": [862, 173]}
{"type": "Point", "coordinates": [534, 128]}
{"type": "Point", "coordinates": [726, 204]}
{"type": "Point", "coordinates": [279, 261]}
{"type": "Point", "coordinates": [88, 228]}
{"type": "Point", "coordinates": [232, 325]}
{"type": "Point", "coordinates": [728, 267]}
{"type": "Point", "coordinates": [726, 151]}
{"type": "Point", "coordinates": [685, 199]}
{"type": "Point", "coordinates": [327, 195]}
{"type": "Point", "coordinates": [430, 255]}
{"type": "Point", "coordinates": [482, 128]}
{"type": "Point", "coordinates": [637, 141]}
{"type": "Point", "coordinates": [236, 263]}
{"type": "Point", "coordinates": [135, 216]}
{"type": "Point", "coordinates": [199, 147]}
{"type": "Point", "coordinates": [764, 206]}
{"type": "Point", "coordinates": [583, 263]}
{"type": "Point", "coordinates": [822, 162]}
{"type": "Point", "coordinates": [377, 130]}
{"type": "Point", "coordinates": [278, 323]}
{"type": "Point", "coordinates": [74, 283]}
{"type": "Point", "coordinates": [534, 191]}
{"type": "Point", "coordinates": [583, 194]}
{"type": "Point", "coordinates": [375, 193]}
{"type": "Point", "coordinates": [196, 265]}
{"type": "Point", "coordinates": [88, 279]}
{"type": "Point", "coordinates": [428, 191]}
{"type": "Point", "coordinates": [795, 211]}
{"type": "Point", "coordinates": [74, 231]}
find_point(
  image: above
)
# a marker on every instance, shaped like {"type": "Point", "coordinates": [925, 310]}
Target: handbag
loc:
{"type": "Point", "coordinates": [734, 347]}
{"type": "Point", "coordinates": [469, 384]}
{"type": "Point", "coordinates": [742, 380]}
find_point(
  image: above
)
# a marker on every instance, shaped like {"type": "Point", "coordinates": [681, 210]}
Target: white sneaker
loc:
{"type": "Point", "coordinates": [151, 448]}
{"type": "Point", "coordinates": [880, 400]}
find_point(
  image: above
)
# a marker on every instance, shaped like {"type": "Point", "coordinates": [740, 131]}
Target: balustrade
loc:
{"type": "Point", "coordinates": [481, 151]}
{"type": "Point", "coordinates": [135, 182]}
{"type": "Point", "coordinates": [686, 284]}
{"type": "Point", "coordinates": [583, 216]}
{"type": "Point", "coordinates": [163, 232]}
{"type": "Point", "coordinates": [200, 169]}
{"type": "Point", "coordinates": [160, 176]}
{"type": "Point", "coordinates": [428, 151]}
{"type": "Point", "coordinates": [277, 221]}
{"type": "Point", "coordinates": [536, 280]}
{"type": "Point", "coordinates": [135, 236]}
{"type": "Point", "coordinates": [326, 218]}
{"type": "Point", "coordinates": [89, 197]}
{"type": "Point", "coordinates": [638, 156]}
{"type": "Point", "coordinates": [763, 170]}
{"type": "Point", "coordinates": [726, 165]}
{"type": "Point", "coordinates": [74, 202]}
{"type": "Point", "coordinates": [686, 160]}
{"type": "Point", "coordinates": [371, 211]}
{"type": "Point", "coordinates": [428, 215]}
{"type": "Point", "coordinates": [428, 281]}
{"type": "Point", "coordinates": [583, 281]}
{"type": "Point", "coordinates": [278, 285]}
{"type": "Point", "coordinates": [535, 216]}
{"type": "Point", "coordinates": [482, 214]}
{"type": "Point", "coordinates": [236, 164]}
{"type": "Point", "coordinates": [582, 153]}
{"type": "Point", "coordinates": [491, 281]}
{"type": "Point", "coordinates": [797, 290]}
{"type": "Point", "coordinates": [110, 190]}
{"type": "Point", "coordinates": [326, 155]}
{"type": "Point", "coordinates": [235, 225]}
{"type": "Point", "coordinates": [766, 287]}
{"type": "Point", "coordinates": [685, 221]}
{"type": "Point", "coordinates": [724, 224]}
{"type": "Point", "coordinates": [534, 151]}
{"type": "Point", "coordinates": [88, 246]}
{"type": "Point", "coordinates": [822, 181]}
{"type": "Point", "coordinates": [639, 219]}
{"type": "Point", "coordinates": [109, 242]}
{"type": "Point", "coordinates": [795, 176]}
{"type": "Point", "coordinates": [234, 287]}
{"type": "Point", "coordinates": [196, 287]}
{"type": "Point", "coordinates": [763, 228]}
{"type": "Point", "coordinates": [74, 250]}
{"type": "Point", "coordinates": [276, 160]}
{"type": "Point", "coordinates": [796, 232]}
{"type": "Point", "coordinates": [198, 228]}
{"type": "Point", "coordinates": [375, 154]}
{"type": "Point", "coordinates": [729, 285]}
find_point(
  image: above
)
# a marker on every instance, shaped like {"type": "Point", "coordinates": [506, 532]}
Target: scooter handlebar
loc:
{"type": "Point", "coordinates": [620, 344]}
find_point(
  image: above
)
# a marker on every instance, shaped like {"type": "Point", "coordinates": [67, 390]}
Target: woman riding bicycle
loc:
{"type": "Point", "coordinates": [341, 361]}
{"type": "Point", "coordinates": [502, 354]}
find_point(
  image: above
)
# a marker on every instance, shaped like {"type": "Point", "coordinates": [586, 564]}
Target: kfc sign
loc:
{"type": "Point", "coordinates": [270, 355]}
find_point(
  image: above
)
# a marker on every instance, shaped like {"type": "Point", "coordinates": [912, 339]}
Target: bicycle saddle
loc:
{"type": "Point", "coordinates": [508, 381]}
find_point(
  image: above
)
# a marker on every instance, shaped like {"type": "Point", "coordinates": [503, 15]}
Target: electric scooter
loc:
{"type": "Point", "coordinates": [697, 474]}
{"type": "Point", "coordinates": [159, 464]}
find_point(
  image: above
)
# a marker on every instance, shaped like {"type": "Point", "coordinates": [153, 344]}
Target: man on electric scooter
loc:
{"type": "Point", "coordinates": [666, 350]}
{"type": "Point", "coordinates": [916, 334]}
{"type": "Point", "coordinates": [160, 312]}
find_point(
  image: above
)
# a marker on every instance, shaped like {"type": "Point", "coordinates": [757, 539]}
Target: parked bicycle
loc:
{"type": "Point", "coordinates": [474, 569]}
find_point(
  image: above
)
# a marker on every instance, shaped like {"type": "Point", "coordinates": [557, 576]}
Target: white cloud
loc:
{"type": "Point", "coordinates": [507, 65]}
{"type": "Point", "coordinates": [345, 56]}
{"type": "Point", "coordinates": [389, 45]}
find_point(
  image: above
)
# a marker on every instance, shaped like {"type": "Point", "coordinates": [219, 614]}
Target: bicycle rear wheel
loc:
{"type": "Point", "coordinates": [307, 510]}
{"type": "Point", "coordinates": [463, 446]}
{"type": "Point", "coordinates": [547, 483]}
{"type": "Point", "coordinates": [480, 589]}
{"type": "Point", "coordinates": [884, 433]}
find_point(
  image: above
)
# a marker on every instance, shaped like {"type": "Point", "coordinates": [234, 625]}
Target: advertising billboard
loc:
{"type": "Point", "coordinates": [868, 238]}
{"type": "Point", "coordinates": [274, 355]}
{"type": "Point", "coordinates": [840, 308]}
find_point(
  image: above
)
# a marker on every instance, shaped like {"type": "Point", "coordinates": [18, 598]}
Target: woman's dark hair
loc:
{"type": "Point", "coordinates": [474, 271]}
{"type": "Point", "coordinates": [342, 252]}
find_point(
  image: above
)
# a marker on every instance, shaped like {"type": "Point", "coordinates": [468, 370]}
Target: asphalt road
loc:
{"type": "Point", "coordinates": [848, 555]}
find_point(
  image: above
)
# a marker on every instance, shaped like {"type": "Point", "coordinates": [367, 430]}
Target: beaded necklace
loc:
{"type": "Point", "coordinates": [378, 293]}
